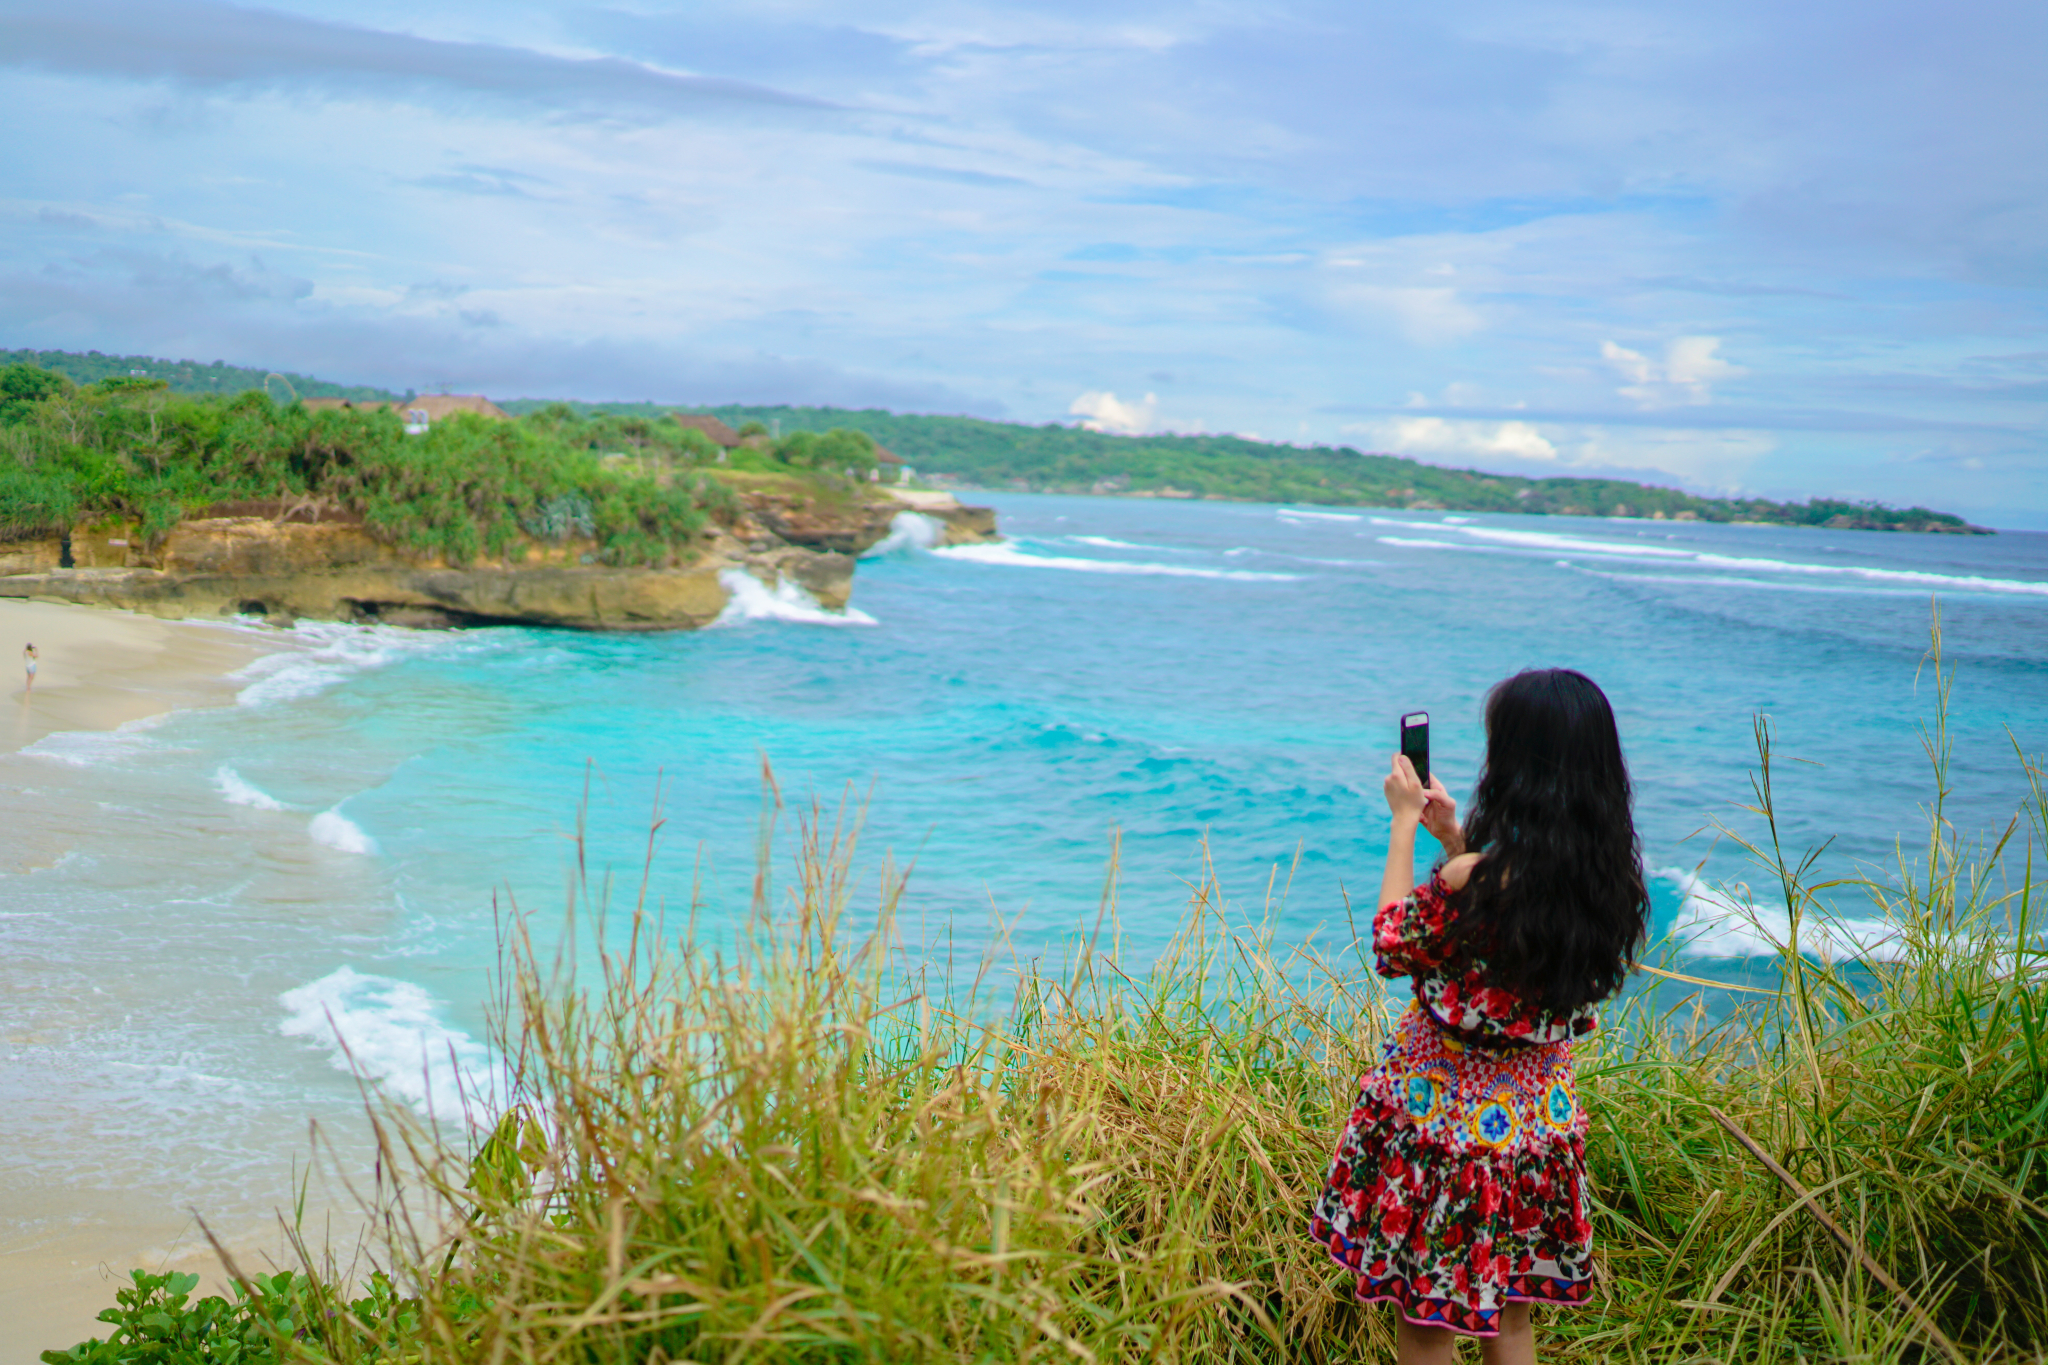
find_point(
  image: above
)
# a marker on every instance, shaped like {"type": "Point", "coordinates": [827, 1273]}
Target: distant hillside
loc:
{"type": "Point", "coordinates": [1062, 459]}
{"type": "Point", "coordinates": [185, 376]}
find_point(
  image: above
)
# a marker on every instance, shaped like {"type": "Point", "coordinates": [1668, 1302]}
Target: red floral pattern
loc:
{"type": "Point", "coordinates": [1458, 1184]}
{"type": "Point", "coordinates": [1412, 938]}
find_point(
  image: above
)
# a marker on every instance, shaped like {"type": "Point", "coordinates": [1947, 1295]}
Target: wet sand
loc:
{"type": "Point", "coordinates": [102, 669]}
{"type": "Point", "coordinates": [68, 1250]}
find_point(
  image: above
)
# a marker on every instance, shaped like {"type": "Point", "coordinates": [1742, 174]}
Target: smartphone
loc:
{"type": "Point", "coordinates": [1415, 742]}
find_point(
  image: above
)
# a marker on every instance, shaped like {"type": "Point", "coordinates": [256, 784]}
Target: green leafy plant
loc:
{"type": "Point", "coordinates": [271, 1319]}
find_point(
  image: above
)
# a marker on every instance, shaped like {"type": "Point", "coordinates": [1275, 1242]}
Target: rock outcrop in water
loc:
{"type": "Point", "coordinates": [283, 563]}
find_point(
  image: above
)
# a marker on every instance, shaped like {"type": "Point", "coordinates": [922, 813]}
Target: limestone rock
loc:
{"type": "Point", "coordinates": [334, 568]}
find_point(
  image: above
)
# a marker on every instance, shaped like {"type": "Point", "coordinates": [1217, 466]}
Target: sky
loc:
{"type": "Point", "coordinates": [1786, 249]}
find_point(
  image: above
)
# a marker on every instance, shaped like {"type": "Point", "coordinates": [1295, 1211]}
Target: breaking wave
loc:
{"type": "Point", "coordinates": [908, 531]}
{"type": "Point", "coordinates": [1008, 553]}
{"type": "Point", "coordinates": [391, 1032]}
{"type": "Point", "coordinates": [338, 832]}
{"type": "Point", "coordinates": [749, 599]}
{"type": "Point", "coordinates": [1712, 922]}
{"type": "Point", "coordinates": [239, 791]}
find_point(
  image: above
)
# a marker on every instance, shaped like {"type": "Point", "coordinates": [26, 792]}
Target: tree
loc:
{"type": "Point", "coordinates": [24, 386]}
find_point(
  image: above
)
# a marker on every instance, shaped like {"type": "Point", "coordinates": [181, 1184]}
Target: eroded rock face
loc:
{"type": "Point", "coordinates": [855, 527]}
{"type": "Point", "coordinates": [337, 570]}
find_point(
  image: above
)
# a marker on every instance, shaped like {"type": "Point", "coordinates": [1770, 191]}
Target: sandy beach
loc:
{"type": "Point", "coordinates": [99, 670]}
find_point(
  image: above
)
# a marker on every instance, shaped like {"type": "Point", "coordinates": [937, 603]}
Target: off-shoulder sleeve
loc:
{"type": "Point", "coordinates": [1410, 935]}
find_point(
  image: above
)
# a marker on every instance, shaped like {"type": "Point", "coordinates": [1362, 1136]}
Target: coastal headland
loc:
{"type": "Point", "coordinates": [433, 512]}
{"type": "Point", "coordinates": [283, 563]}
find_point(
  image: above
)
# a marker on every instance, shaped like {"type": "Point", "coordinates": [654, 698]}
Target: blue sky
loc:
{"type": "Point", "coordinates": [1789, 249]}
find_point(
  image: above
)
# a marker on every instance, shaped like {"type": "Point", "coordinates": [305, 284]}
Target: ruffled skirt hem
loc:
{"type": "Point", "coordinates": [1427, 1310]}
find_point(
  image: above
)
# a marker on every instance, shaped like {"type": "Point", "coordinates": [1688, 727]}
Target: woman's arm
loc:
{"type": "Point", "coordinates": [1410, 922]}
{"type": "Point", "coordinates": [1405, 798]}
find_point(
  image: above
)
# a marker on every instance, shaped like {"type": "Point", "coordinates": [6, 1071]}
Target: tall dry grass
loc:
{"type": "Point", "coordinates": [792, 1150]}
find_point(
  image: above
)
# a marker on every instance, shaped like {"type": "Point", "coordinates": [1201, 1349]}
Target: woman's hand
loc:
{"type": "Point", "coordinates": [1406, 796]}
{"type": "Point", "coordinates": [1440, 817]}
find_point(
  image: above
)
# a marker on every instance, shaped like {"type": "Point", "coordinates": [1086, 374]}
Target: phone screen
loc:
{"type": "Point", "coordinates": [1415, 742]}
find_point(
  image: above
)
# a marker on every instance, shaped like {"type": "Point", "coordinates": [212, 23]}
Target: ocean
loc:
{"type": "Point", "coordinates": [1214, 684]}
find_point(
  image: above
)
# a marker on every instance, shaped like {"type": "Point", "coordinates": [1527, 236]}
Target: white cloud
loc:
{"type": "Point", "coordinates": [1682, 380]}
{"type": "Point", "coordinates": [1441, 436]}
{"type": "Point", "coordinates": [1714, 461]}
{"type": "Point", "coordinates": [1426, 315]}
{"type": "Point", "coordinates": [1704, 460]}
{"type": "Point", "coordinates": [1101, 410]}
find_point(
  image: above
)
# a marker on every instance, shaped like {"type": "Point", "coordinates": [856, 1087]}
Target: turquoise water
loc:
{"type": "Point", "coordinates": [326, 853]}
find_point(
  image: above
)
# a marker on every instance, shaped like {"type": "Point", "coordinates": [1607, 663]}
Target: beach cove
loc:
{"type": "Point", "coordinates": [102, 674]}
{"type": "Point", "coordinates": [318, 835]}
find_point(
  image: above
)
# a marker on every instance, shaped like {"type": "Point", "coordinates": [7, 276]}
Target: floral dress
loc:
{"type": "Point", "coordinates": [1459, 1183]}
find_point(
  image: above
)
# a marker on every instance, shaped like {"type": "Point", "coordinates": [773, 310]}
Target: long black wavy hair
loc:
{"type": "Point", "coordinates": [1557, 905]}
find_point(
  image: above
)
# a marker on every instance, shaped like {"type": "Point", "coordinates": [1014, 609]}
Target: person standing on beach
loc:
{"type": "Point", "coordinates": [28, 666]}
{"type": "Point", "coordinates": [1458, 1188]}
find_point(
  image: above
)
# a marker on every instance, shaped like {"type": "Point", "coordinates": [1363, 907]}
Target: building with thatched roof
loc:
{"type": "Point", "coordinates": [439, 405]}
{"type": "Point", "coordinates": [719, 432]}
{"type": "Point", "coordinates": [421, 412]}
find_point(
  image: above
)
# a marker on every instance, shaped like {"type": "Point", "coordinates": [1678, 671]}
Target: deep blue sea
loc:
{"type": "Point", "coordinates": [327, 852]}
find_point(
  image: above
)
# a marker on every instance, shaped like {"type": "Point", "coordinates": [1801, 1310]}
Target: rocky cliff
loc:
{"type": "Point", "coordinates": [282, 563]}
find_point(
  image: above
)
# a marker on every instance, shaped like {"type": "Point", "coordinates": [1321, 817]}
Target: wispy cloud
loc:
{"type": "Point", "coordinates": [1452, 438]}
{"type": "Point", "coordinates": [212, 46]}
{"type": "Point", "coordinates": [1689, 367]}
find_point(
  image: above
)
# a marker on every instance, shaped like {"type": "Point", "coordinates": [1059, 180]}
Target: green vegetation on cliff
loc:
{"type": "Point", "coordinates": [128, 451]}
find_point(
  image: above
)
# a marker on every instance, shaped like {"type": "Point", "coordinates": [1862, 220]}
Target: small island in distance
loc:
{"type": "Point", "coordinates": [970, 452]}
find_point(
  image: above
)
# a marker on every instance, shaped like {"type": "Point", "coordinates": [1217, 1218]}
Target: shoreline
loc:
{"type": "Point", "coordinates": [67, 1250]}
{"type": "Point", "coordinates": [105, 668]}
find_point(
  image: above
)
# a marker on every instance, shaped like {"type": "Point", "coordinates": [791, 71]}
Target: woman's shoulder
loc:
{"type": "Point", "coordinates": [1455, 873]}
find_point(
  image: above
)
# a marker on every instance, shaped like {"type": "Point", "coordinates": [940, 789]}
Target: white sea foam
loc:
{"type": "Point", "coordinates": [1952, 582]}
{"type": "Point", "coordinates": [749, 599]}
{"type": "Point", "coordinates": [1722, 922]}
{"type": "Point", "coordinates": [338, 832]}
{"type": "Point", "coordinates": [391, 1032]}
{"type": "Point", "coordinates": [1410, 543]}
{"type": "Point", "coordinates": [239, 791]}
{"type": "Point", "coordinates": [1710, 580]}
{"type": "Point", "coordinates": [1549, 543]}
{"type": "Point", "coordinates": [322, 653]}
{"type": "Point", "coordinates": [1286, 512]}
{"type": "Point", "coordinates": [1104, 542]}
{"type": "Point", "coordinates": [98, 748]}
{"type": "Point", "coordinates": [1008, 553]}
{"type": "Point", "coordinates": [908, 531]}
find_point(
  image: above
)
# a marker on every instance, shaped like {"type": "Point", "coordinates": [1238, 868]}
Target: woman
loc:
{"type": "Point", "coordinates": [1457, 1192]}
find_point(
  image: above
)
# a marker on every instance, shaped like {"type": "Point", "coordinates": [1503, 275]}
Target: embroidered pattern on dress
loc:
{"type": "Point", "coordinates": [1458, 1185]}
